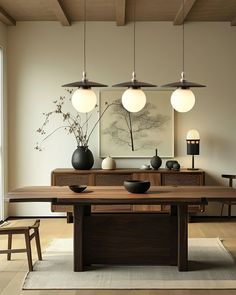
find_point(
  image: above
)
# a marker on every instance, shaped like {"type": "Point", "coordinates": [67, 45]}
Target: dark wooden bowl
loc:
{"type": "Point", "coordinates": [77, 188]}
{"type": "Point", "coordinates": [137, 186]}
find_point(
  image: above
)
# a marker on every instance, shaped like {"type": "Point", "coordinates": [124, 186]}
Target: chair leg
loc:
{"type": "Point", "coordinates": [222, 208]}
{"type": "Point", "coordinates": [37, 241]}
{"type": "Point", "coordinates": [28, 250]}
{"type": "Point", "coordinates": [9, 246]}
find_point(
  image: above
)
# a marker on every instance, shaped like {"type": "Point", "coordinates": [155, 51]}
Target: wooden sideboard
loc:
{"type": "Point", "coordinates": [65, 177]}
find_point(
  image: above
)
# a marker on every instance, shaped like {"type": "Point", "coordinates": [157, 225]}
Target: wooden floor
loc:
{"type": "Point", "coordinates": [12, 272]}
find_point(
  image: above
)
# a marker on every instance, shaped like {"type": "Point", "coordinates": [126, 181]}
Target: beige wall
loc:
{"type": "Point", "coordinates": [44, 55]}
{"type": "Point", "coordinates": [3, 45]}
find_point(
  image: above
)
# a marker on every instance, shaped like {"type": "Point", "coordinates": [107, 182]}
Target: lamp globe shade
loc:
{"type": "Point", "coordinates": [84, 100]}
{"type": "Point", "coordinates": [182, 100]}
{"type": "Point", "coordinates": [133, 100]}
{"type": "Point", "coordinates": [193, 134]}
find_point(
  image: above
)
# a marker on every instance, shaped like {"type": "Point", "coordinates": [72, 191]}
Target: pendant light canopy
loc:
{"type": "Point", "coordinates": [134, 99]}
{"type": "Point", "coordinates": [84, 99]}
{"type": "Point", "coordinates": [183, 99]}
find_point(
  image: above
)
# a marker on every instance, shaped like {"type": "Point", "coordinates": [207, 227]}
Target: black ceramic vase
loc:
{"type": "Point", "coordinates": [82, 158]}
{"type": "Point", "coordinates": [156, 161]}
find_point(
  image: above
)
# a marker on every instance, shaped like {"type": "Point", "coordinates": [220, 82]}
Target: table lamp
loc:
{"type": "Point", "coordinates": [193, 141]}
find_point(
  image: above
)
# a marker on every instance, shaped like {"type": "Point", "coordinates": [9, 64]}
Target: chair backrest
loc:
{"type": "Point", "coordinates": [230, 177]}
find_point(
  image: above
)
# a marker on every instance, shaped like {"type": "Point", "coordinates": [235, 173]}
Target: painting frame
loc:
{"type": "Point", "coordinates": [157, 95]}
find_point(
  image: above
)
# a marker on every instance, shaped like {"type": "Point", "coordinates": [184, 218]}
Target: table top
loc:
{"type": "Point", "coordinates": [118, 195]}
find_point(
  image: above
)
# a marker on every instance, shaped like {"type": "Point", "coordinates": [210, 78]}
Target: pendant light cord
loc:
{"type": "Point", "coordinates": [134, 18]}
{"type": "Point", "coordinates": [183, 38]}
{"type": "Point", "coordinates": [85, 38]}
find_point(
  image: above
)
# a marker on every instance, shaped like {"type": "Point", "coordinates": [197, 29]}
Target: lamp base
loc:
{"type": "Point", "coordinates": [192, 168]}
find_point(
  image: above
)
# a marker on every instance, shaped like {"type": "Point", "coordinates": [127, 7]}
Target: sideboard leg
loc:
{"type": "Point", "coordinates": [183, 237]}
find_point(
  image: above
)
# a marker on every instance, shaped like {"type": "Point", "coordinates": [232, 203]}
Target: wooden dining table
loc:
{"type": "Point", "coordinates": [131, 238]}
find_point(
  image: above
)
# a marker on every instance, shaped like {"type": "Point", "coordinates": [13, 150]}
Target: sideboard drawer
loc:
{"type": "Point", "coordinates": [111, 179]}
{"type": "Point", "coordinates": [181, 179]}
{"type": "Point", "coordinates": [154, 178]}
{"type": "Point", "coordinates": [71, 179]}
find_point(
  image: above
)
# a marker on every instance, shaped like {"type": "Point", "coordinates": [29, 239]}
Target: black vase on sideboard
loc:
{"type": "Point", "coordinates": [156, 161]}
{"type": "Point", "coordinates": [82, 158]}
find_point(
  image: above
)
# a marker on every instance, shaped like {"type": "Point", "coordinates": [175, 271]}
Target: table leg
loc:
{"type": "Point", "coordinates": [183, 237]}
{"type": "Point", "coordinates": [78, 237]}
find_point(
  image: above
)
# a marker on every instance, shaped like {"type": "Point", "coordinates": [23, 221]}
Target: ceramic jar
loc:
{"type": "Point", "coordinates": [109, 163]}
{"type": "Point", "coordinates": [82, 158]}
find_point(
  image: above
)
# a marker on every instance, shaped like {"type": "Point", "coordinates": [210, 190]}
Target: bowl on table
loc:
{"type": "Point", "coordinates": [77, 188]}
{"type": "Point", "coordinates": [137, 186]}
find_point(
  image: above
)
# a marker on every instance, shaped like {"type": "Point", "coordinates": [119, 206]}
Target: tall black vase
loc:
{"type": "Point", "coordinates": [156, 161]}
{"type": "Point", "coordinates": [82, 158]}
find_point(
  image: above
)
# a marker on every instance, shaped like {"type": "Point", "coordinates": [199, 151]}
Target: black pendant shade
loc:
{"type": "Point", "coordinates": [134, 84]}
{"type": "Point", "coordinates": [183, 84]}
{"type": "Point", "coordinates": [84, 84]}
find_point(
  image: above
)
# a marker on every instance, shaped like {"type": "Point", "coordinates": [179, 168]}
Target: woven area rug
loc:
{"type": "Point", "coordinates": [211, 267]}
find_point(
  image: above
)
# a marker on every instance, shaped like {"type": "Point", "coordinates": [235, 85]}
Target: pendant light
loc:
{"type": "Point", "coordinates": [183, 99]}
{"type": "Point", "coordinates": [84, 99]}
{"type": "Point", "coordinates": [134, 99]}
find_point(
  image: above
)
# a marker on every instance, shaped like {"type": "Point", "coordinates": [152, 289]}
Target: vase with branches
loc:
{"type": "Point", "coordinates": [75, 125]}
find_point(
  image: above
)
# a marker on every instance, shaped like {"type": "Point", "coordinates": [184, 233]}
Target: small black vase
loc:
{"type": "Point", "coordinates": [82, 158]}
{"type": "Point", "coordinates": [156, 161]}
{"type": "Point", "coordinates": [170, 163]}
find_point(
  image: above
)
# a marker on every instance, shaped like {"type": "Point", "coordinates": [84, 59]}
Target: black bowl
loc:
{"type": "Point", "coordinates": [137, 186]}
{"type": "Point", "coordinates": [77, 188]}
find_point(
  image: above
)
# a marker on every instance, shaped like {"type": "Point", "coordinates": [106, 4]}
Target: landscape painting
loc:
{"type": "Point", "coordinates": [136, 135]}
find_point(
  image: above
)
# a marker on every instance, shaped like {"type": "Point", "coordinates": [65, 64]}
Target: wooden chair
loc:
{"type": "Point", "coordinates": [30, 229]}
{"type": "Point", "coordinates": [229, 203]}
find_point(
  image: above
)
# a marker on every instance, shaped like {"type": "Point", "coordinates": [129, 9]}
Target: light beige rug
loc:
{"type": "Point", "coordinates": [211, 267]}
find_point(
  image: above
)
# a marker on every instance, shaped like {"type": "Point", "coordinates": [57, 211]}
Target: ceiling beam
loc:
{"type": "Point", "coordinates": [120, 12]}
{"type": "Point", "coordinates": [183, 11]}
{"type": "Point", "coordinates": [60, 12]}
{"type": "Point", "coordinates": [6, 18]}
{"type": "Point", "coordinates": [233, 22]}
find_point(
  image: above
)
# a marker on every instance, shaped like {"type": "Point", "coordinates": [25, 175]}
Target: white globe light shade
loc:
{"type": "Point", "coordinates": [84, 100]}
{"type": "Point", "coordinates": [193, 134]}
{"type": "Point", "coordinates": [182, 100]}
{"type": "Point", "coordinates": [133, 100]}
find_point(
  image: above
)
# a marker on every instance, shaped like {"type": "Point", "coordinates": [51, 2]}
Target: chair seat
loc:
{"type": "Point", "coordinates": [30, 229]}
{"type": "Point", "coordinates": [19, 224]}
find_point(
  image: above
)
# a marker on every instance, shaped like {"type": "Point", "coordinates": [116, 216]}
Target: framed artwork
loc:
{"type": "Point", "coordinates": [136, 135]}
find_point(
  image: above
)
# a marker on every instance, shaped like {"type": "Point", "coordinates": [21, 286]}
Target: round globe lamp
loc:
{"type": "Point", "coordinates": [182, 100]}
{"type": "Point", "coordinates": [84, 100]}
{"type": "Point", "coordinates": [133, 100]}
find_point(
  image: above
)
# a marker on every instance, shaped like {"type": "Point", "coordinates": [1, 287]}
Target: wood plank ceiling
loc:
{"type": "Point", "coordinates": [119, 11]}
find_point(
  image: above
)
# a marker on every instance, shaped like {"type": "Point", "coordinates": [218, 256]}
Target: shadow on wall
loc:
{"type": "Point", "coordinates": [222, 156]}
{"type": "Point", "coordinates": [211, 179]}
